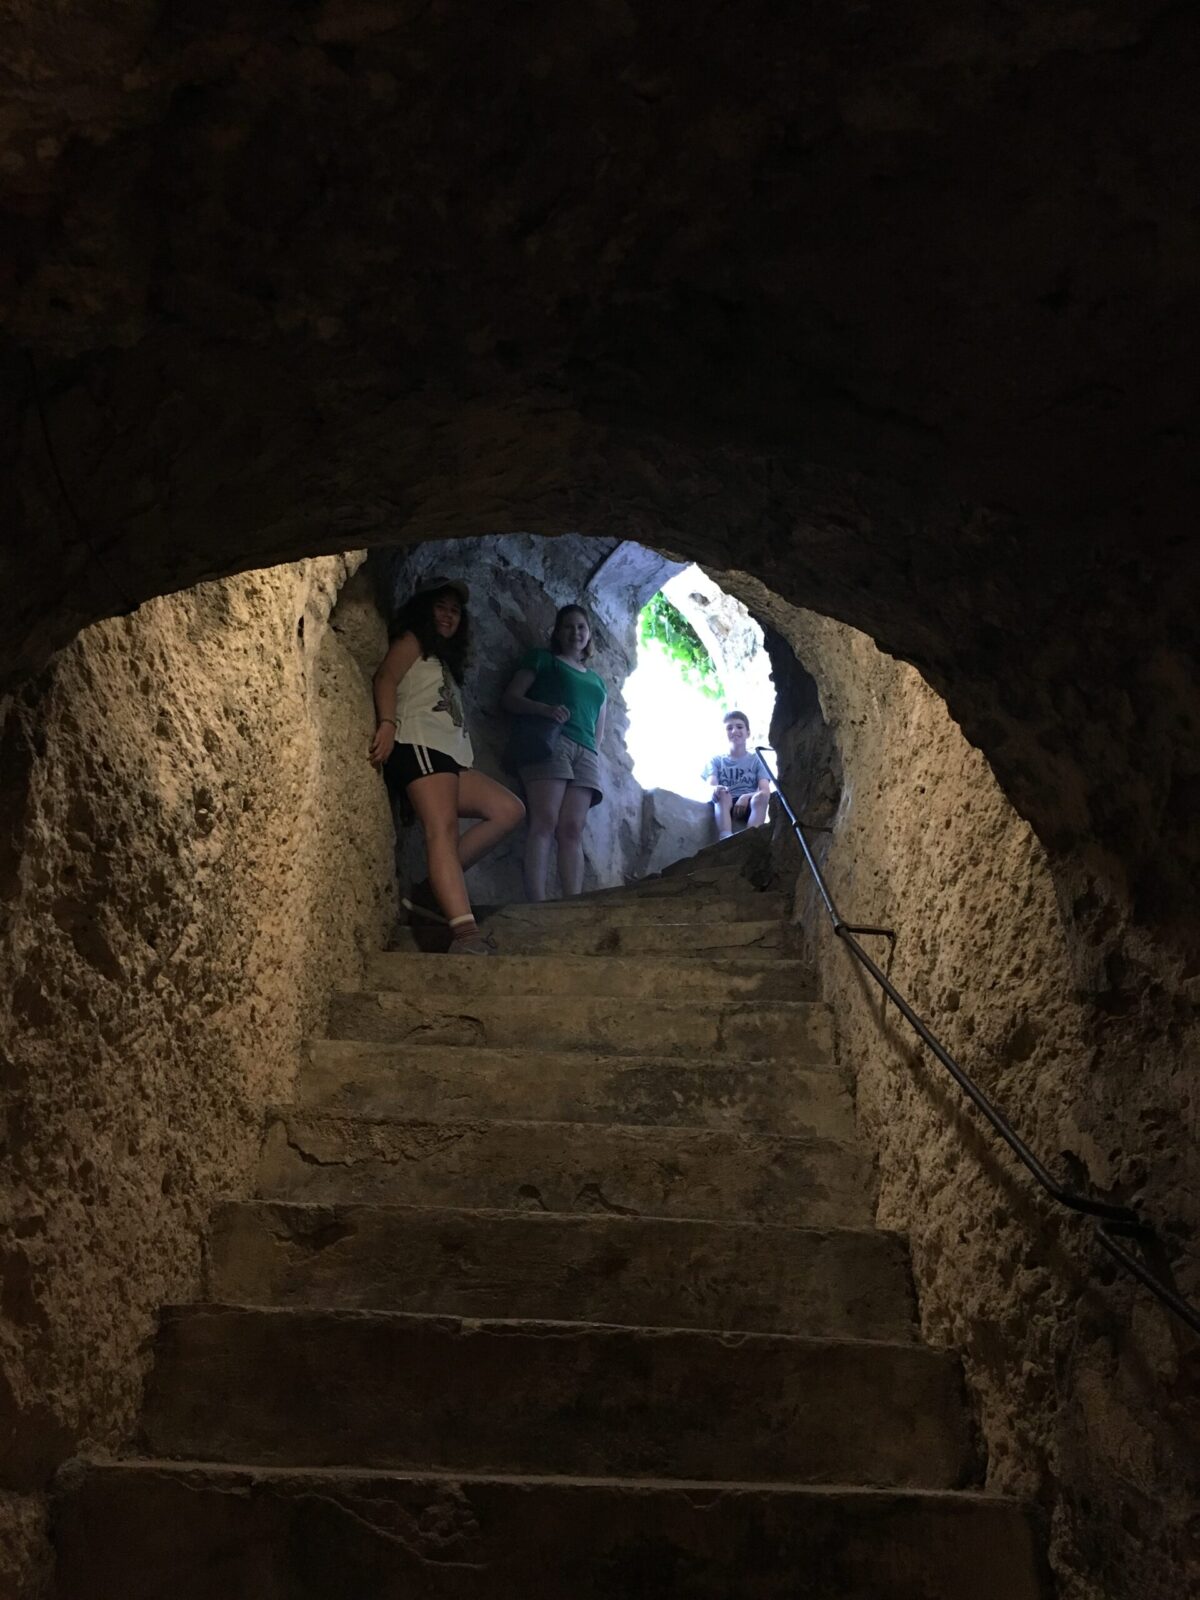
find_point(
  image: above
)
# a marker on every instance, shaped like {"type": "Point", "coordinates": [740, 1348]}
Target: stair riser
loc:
{"type": "Point", "coordinates": [574, 937]}
{"type": "Point", "coordinates": [750, 1031]}
{"type": "Point", "coordinates": [574, 1086]}
{"type": "Point", "coordinates": [691, 910]}
{"type": "Point", "coordinates": [713, 982]}
{"type": "Point", "coordinates": [564, 1167]}
{"type": "Point", "coordinates": [237, 1535]}
{"type": "Point", "coordinates": [585, 1269]}
{"type": "Point", "coordinates": [317, 1388]}
{"type": "Point", "coordinates": [719, 884]}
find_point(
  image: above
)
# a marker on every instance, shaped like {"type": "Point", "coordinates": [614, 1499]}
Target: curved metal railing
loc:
{"type": "Point", "coordinates": [1109, 1218]}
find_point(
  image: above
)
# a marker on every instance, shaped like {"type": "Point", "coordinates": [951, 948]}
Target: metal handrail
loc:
{"type": "Point", "coordinates": [1106, 1215]}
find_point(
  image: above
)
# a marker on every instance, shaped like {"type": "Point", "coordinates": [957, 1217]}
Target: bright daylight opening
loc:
{"type": "Point", "coordinates": [700, 654]}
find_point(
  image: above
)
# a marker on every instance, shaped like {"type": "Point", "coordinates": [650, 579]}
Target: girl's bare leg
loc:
{"type": "Point", "coordinates": [545, 802]}
{"type": "Point", "coordinates": [572, 817]}
{"type": "Point", "coordinates": [435, 801]}
{"type": "Point", "coordinates": [498, 809]}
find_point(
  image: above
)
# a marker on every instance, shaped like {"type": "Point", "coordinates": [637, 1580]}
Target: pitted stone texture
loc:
{"type": "Point", "coordinates": [317, 1388]}
{"type": "Point", "coordinates": [280, 1534]}
{"type": "Point", "coordinates": [576, 1086]}
{"type": "Point", "coordinates": [192, 848]}
{"type": "Point", "coordinates": [741, 1030]}
{"type": "Point", "coordinates": [643, 1271]}
{"type": "Point", "coordinates": [556, 1166]}
{"type": "Point", "coordinates": [1087, 1036]}
{"type": "Point", "coordinates": [624, 977]}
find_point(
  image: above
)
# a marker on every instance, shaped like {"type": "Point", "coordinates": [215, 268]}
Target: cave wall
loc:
{"type": "Point", "coordinates": [518, 582]}
{"type": "Point", "coordinates": [1086, 1391]}
{"type": "Point", "coordinates": [286, 280]}
{"type": "Point", "coordinates": [192, 849]}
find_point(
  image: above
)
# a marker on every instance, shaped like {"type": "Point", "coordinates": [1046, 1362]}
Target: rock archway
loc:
{"type": "Point", "coordinates": [895, 315]}
{"type": "Point", "coordinates": [286, 283]}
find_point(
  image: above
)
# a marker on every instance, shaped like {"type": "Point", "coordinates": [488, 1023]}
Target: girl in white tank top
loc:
{"type": "Point", "coordinates": [422, 745]}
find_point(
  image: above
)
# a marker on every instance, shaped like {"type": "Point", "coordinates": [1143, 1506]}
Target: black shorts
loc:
{"type": "Point", "coordinates": [408, 762]}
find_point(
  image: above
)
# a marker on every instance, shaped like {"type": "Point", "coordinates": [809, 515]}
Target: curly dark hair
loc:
{"type": "Point", "coordinates": [416, 617]}
{"type": "Point", "coordinates": [565, 611]}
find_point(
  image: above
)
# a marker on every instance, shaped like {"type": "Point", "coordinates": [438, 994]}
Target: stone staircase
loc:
{"type": "Point", "coordinates": [561, 1283]}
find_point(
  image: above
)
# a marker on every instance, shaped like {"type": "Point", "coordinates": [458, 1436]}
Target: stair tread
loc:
{"type": "Point", "coordinates": [768, 938]}
{"type": "Point", "coordinates": [418, 1049]}
{"type": "Point", "coordinates": [749, 1007]}
{"type": "Point", "coordinates": [734, 1339]}
{"type": "Point", "coordinates": [293, 1112]}
{"type": "Point", "coordinates": [182, 1466]}
{"type": "Point", "coordinates": [574, 1219]}
{"type": "Point", "coordinates": [714, 980]}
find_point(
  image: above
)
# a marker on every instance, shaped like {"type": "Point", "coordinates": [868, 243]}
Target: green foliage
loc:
{"type": "Point", "coordinates": [661, 625]}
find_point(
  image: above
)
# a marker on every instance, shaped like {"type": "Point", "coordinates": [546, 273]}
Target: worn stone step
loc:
{"type": "Point", "coordinates": [594, 936]}
{"type": "Point", "coordinates": [619, 909]}
{"type": "Point", "coordinates": [836, 1281]}
{"type": "Point", "coordinates": [575, 1086]}
{"type": "Point", "coordinates": [301, 1387]}
{"type": "Point", "coordinates": [713, 883]}
{"type": "Point", "coordinates": [698, 877]}
{"type": "Point", "coordinates": [241, 1533]}
{"type": "Point", "coordinates": [742, 1029]}
{"type": "Point", "coordinates": [715, 980]}
{"type": "Point", "coordinates": [565, 1167]}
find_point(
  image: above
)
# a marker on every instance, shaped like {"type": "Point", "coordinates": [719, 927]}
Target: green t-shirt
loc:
{"type": "Point", "coordinates": [556, 684]}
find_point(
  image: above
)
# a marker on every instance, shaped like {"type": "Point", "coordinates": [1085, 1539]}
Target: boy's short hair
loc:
{"type": "Point", "coordinates": [741, 716]}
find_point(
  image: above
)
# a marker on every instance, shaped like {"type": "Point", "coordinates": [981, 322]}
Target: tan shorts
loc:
{"type": "Point", "coordinates": [574, 764]}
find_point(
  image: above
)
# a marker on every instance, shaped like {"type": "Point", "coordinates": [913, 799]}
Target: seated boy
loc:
{"type": "Point", "coordinates": [741, 788]}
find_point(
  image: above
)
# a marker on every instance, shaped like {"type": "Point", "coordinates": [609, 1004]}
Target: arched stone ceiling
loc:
{"type": "Point", "coordinates": [892, 306]}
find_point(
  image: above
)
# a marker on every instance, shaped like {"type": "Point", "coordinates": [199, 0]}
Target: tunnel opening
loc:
{"type": "Point", "coordinates": [647, 820]}
{"type": "Point", "coordinates": [701, 655]}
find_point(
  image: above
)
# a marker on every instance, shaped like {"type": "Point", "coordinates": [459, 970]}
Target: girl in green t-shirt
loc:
{"type": "Point", "coordinates": [558, 684]}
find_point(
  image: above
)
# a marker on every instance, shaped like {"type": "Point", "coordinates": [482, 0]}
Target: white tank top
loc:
{"type": "Point", "coordinates": [429, 711]}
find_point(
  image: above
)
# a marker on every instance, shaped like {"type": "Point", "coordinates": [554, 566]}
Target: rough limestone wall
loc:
{"type": "Point", "coordinates": [192, 848]}
{"type": "Point", "coordinates": [1086, 1393]}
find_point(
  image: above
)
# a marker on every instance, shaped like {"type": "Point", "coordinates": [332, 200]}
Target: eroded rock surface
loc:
{"type": "Point", "coordinates": [193, 847]}
{"type": "Point", "coordinates": [1087, 1036]}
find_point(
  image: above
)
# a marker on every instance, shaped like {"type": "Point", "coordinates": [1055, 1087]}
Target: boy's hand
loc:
{"type": "Point", "coordinates": [720, 790]}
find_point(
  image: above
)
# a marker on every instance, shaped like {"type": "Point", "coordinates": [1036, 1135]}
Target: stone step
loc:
{"type": "Point", "coordinates": [718, 883]}
{"type": "Point", "coordinates": [565, 1167]}
{"type": "Point", "coordinates": [714, 980]}
{"type": "Point", "coordinates": [746, 1030]}
{"type": "Point", "coordinates": [712, 883]}
{"type": "Point", "coordinates": [622, 909]}
{"type": "Point", "coordinates": [595, 936]}
{"type": "Point", "coordinates": [640, 1271]}
{"type": "Point", "coordinates": [441, 1081]}
{"type": "Point", "coordinates": [300, 1387]}
{"type": "Point", "coordinates": [241, 1533]}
